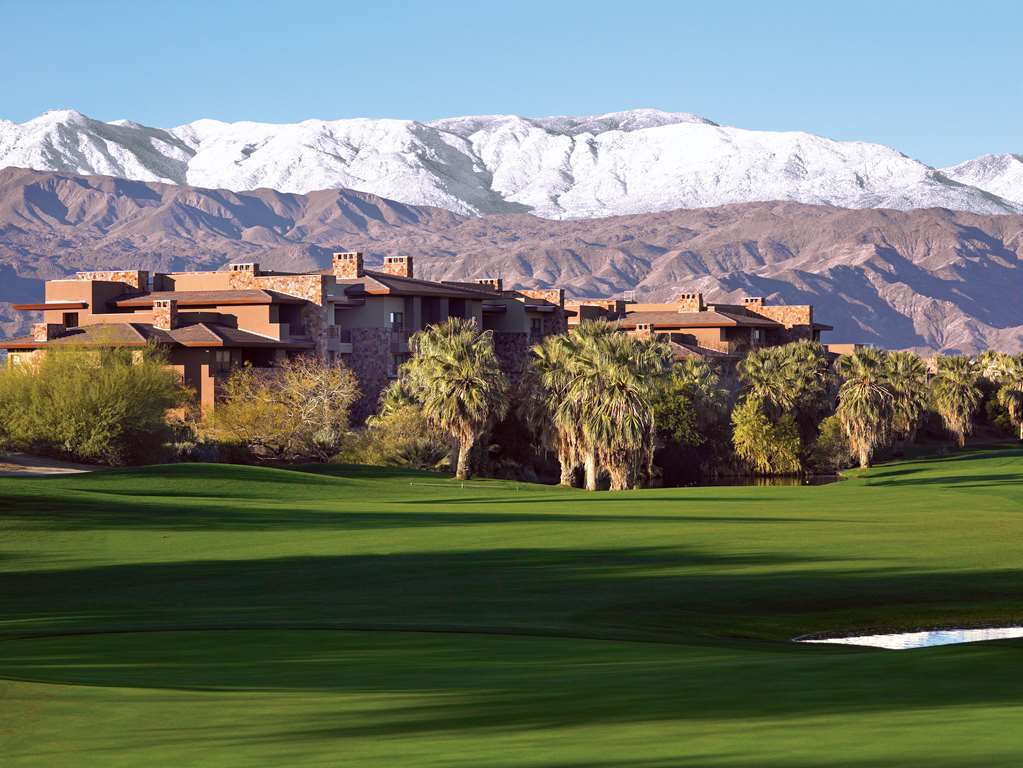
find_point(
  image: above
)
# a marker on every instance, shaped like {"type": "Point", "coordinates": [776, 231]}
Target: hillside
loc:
{"type": "Point", "coordinates": [637, 161]}
{"type": "Point", "coordinates": [930, 279]}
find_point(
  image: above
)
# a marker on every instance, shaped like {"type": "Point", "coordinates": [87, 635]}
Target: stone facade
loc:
{"type": "Point", "coordinates": [512, 350]}
{"type": "Point", "coordinates": [47, 331]}
{"type": "Point", "coordinates": [787, 315]}
{"type": "Point", "coordinates": [136, 278]}
{"type": "Point", "coordinates": [165, 314]}
{"type": "Point", "coordinates": [553, 295]}
{"type": "Point", "coordinates": [398, 265]}
{"type": "Point", "coordinates": [347, 265]}
{"type": "Point", "coordinates": [312, 288]}
{"type": "Point", "coordinates": [372, 365]}
{"type": "Point", "coordinates": [689, 302]}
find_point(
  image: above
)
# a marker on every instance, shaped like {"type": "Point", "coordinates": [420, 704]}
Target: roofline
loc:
{"type": "Point", "coordinates": [147, 301]}
{"type": "Point", "coordinates": [44, 306]}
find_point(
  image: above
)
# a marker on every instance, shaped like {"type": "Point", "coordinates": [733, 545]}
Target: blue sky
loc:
{"type": "Point", "coordinates": [940, 81]}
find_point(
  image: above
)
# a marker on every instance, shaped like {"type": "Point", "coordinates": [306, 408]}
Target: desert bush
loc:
{"type": "Point", "coordinates": [399, 437]}
{"type": "Point", "coordinates": [297, 410]}
{"type": "Point", "coordinates": [107, 406]}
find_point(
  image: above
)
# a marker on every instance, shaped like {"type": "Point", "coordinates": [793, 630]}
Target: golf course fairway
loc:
{"type": "Point", "coordinates": [218, 615]}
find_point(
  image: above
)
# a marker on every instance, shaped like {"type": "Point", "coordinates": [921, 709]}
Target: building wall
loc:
{"type": "Point", "coordinates": [370, 360]}
{"type": "Point", "coordinates": [512, 350]}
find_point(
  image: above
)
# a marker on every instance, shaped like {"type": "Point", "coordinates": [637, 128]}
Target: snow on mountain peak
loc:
{"type": "Point", "coordinates": [635, 161]}
{"type": "Point", "coordinates": [1000, 175]}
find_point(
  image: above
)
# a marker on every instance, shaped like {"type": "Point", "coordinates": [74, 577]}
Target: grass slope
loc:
{"type": "Point", "coordinates": [220, 615]}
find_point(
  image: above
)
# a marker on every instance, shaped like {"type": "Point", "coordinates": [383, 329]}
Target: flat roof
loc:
{"type": "Point", "coordinates": [706, 319]}
{"type": "Point", "coordinates": [51, 305]}
{"type": "Point", "coordinates": [205, 298]}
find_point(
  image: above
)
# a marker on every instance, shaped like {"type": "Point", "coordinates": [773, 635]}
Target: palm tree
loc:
{"type": "Point", "coordinates": [599, 388]}
{"type": "Point", "coordinates": [544, 384]}
{"type": "Point", "coordinates": [769, 376]}
{"type": "Point", "coordinates": [614, 376]}
{"type": "Point", "coordinates": [789, 381]}
{"type": "Point", "coordinates": [1010, 389]}
{"type": "Point", "coordinates": [907, 380]}
{"type": "Point", "coordinates": [956, 394]}
{"type": "Point", "coordinates": [455, 375]}
{"type": "Point", "coordinates": [865, 401]}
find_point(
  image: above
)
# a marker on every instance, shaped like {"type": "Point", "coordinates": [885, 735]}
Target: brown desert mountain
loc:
{"type": "Point", "coordinates": [929, 279]}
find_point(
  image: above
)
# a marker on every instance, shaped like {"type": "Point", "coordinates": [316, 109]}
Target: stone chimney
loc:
{"type": "Point", "coordinates": [347, 265]}
{"type": "Point", "coordinates": [243, 276]}
{"type": "Point", "coordinates": [753, 302]}
{"type": "Point", "coordinates": [644, 329]}
{"type": "Point", "coordinates": [690, 302]}
{"type": "Point", "coordinates": [492, 282]}
{"type": "Point", "coordinates": [165, 314]}
{"type": "Point", "coordinates": [47, 331]}
{"type": "Point", "coordinates": [398, 265]}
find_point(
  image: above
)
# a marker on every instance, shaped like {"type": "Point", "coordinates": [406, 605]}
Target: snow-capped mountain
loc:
{"type": "Point", "coordinates": [559, 167]}
{"type": "Point", "coordinates": [1000, 175]}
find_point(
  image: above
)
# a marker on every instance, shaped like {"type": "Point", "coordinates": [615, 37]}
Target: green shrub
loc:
{"type": "Point", "coordinates": [768, 448]}
{"type": "Point", "coordinates": [831, 451]}
{"type": "Point", "coordinates": [399, 437]}
{"type": "Point", "coordinates": [298, 410]}
{"type": "Point", "coordinates": [107, 406]}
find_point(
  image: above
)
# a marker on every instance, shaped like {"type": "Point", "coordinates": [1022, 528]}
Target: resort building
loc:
{"type": "Point", "coordinates": [712, 330]}
{"type": "Point", "coordinates": [211, 322]}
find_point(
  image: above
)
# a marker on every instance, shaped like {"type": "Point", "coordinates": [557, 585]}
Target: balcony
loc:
{"type": "Point", "coordinates": [339, 340]}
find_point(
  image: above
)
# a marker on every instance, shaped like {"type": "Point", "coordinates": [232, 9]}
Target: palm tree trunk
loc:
{"type": "Point", "coordinates": [864, 458]}
{"type": "Point", "coordinates": [590, 465]}
{"type": "Point", "coordinates": [619, 477]}
{"type": "Point", "coordinates": [567, 472]}
{"type": "Point", "coordinates": [464, 449]}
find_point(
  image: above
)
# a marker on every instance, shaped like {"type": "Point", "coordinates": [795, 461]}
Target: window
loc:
{"type": "Point", "coordinates": [222, 360]}
{"type": "Point", "coordinates": [394, 365]}
{"type": "Point", "coordinates": [536, 327]}
{"type": "Point", "coordinates": [397, 321]}
{"type": "Point", "coordinates": [757, 335]}
{"type": "Point", "coordinates": [70, 319]}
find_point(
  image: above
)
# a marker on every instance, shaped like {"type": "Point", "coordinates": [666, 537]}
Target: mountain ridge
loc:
{"type": "Point", "coordinates": [931, 279]}
{"type": "Point", "coordinates": [563, 167]}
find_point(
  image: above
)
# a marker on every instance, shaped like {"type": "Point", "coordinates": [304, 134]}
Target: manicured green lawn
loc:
{"type": "Point", "coordinates": [219, 615]}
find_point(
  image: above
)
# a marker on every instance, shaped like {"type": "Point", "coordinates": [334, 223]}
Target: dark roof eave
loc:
{"type": "Point", "coordinates": [55, 305]}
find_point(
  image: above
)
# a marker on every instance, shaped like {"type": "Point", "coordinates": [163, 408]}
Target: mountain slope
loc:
{"type": "Point", "coordinates": [559, 167]}
{"type": "Point", "coordinates": [933, 279]}
{"type": "Point", "coordinates": [1000, 175]}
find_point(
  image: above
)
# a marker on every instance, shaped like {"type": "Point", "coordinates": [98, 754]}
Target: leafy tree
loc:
{"type": "Point", "coordinates": [455, 377]}
{"type": "Point", "coordinates": [691, 413]}
{"type": "Point", "coordinates": [298, 409]}
{"type": "Point", "coordinates": [865, 402]}
{"type": "Point", "coordinates": [768, 445]}
{"type": "Point", "coordinates": [102, 405]}
{"type": "Point", "coordinates": [791, 380]}
{"type": "Point", "coordinates": [831, 451]}
{"type": "Point", "coordinates": [955, 394]}
{"type": "Point", "coordinates": [398, 436]}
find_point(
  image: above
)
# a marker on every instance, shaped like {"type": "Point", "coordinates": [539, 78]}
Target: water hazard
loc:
{"type": "Point", "coordinates": [924, 639]}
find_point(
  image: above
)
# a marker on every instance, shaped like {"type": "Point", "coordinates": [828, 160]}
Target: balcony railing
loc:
{"type": "Point", "coordinates": [344, 335]}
